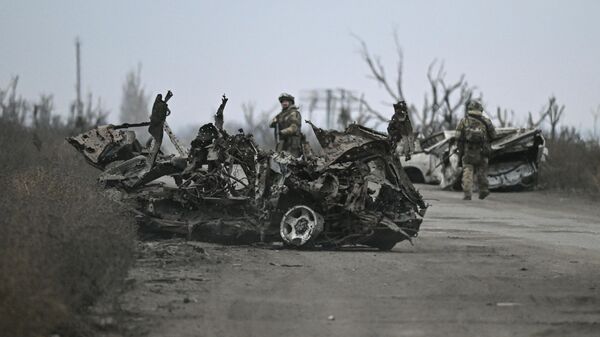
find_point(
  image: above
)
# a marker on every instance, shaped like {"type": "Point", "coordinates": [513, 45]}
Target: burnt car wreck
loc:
{"type": "Point", "coordinates": [225, 189]}
{"type": "Point", "coordinates": [513, 165]}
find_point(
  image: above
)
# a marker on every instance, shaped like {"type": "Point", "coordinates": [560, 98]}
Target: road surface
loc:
{"type": "Point", "coordinates": [515, 264]}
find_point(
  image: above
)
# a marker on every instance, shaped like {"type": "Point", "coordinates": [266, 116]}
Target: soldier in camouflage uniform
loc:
{"type": "Point", "coordinates": [160, 111]}
{"type": "Point", "coordinates": [400, 130]}
{"type": "Point", "coordinates": [474, 134]}
{"type": "Point", "coordinates": [287, 126]}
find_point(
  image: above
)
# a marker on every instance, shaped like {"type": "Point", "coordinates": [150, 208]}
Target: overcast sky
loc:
{"type": "Point", "coordinates": [517, 52]}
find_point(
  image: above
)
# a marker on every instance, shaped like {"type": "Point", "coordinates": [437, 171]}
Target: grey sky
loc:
{"type": "Point", "coordinates": [517, 52]}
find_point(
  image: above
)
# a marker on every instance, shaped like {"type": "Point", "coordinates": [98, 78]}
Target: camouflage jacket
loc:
{"type": "Point", "coordinates": [288, 121]}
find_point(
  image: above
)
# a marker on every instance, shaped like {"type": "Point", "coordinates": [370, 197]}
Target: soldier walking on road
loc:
{"type": "Point", "coordinates": [160, 111]}
{"type": "Point", "coordinates": [287, 126]}
{"type": "Point", "coordinates": [474, 134]}
{"type": "Point", "coordinates": [400, 130]}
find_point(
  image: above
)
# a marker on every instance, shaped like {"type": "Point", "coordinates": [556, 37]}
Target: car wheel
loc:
{"type": "Point", "coordinates": [300, 226]}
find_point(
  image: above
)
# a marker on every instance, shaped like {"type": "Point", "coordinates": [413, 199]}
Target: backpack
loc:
{"type": "Point", "coordinates": [475, 132]}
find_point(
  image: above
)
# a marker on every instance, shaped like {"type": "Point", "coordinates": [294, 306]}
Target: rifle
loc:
{"type": "Point", "coordinates": [446, 157]}
{"type": "Point", "coordinates": [276, 131]}
{"type": "Point", "coordinates": [168, 96]}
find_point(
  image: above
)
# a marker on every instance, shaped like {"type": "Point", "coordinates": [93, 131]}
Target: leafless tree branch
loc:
{"type": "Point", "coordinates": [378, 71]}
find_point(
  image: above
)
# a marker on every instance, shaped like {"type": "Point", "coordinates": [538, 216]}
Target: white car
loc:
{"type": "Point", "coordinates": [514, 161]}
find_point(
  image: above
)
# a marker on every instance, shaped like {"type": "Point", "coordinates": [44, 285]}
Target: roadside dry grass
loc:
{"type": "Point", "coordinates": [63, 246]}
{"type": "Point", "coordinates": [573, 166]}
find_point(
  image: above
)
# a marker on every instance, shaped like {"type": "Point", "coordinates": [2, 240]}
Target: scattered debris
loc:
{"type": "Point", "coordinates": [331, 318]}
{"type": "Point", "coordinates": [285, 265]}
{"type": "Point", "coordinates": [508, 304]}
{"type": "Point", "coordinates": [190, 300]}
{"type": "Point", "coordinates": [228, 190]}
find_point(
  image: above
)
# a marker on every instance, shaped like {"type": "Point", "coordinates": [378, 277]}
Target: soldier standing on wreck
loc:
{"type": "Point", "coordinates": [400, 130]}
{"type": "Point", "coordinates": [474, 134]}
{"type": "Point", "coordinates": [287, 126]}
{"type": "Point", "coordinates": [160, 111]}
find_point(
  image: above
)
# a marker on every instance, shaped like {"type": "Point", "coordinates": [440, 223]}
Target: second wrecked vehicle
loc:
{"type": "Point", "coordinates": [230, 191]}
{"type": "Point", "coordinates": [513, 164]}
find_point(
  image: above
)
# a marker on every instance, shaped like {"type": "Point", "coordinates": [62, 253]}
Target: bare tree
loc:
{"type": "Point", "coordinates": [14, 108]}
{"type": "Point", "coordinates": [134, 102]}
{"type": "Point", "coordinates": [42, 112]}
{"type": "Point", "coordinates": [551, 112]}
{"type": "Point", "coordinates": [256, 124]}
{"type": "Point", "coordinates": [343, 103]}
{"type": "Point", "coordinates": [94, 114]}
{"type": "Point", "coordinates": [504, 118]}
{"type": "Point", "coordinates": [554, 112]}
{"type": "Point", "coordinates": [595, 116]}
{"type": "Point", "coordinates": [446, 99]}
{"type": "Point", "coordinates": [440, 106]}
{"type": "Point", "coordinates": [569, 135]}
{"type": "Point", "coordinates": [536, 124]}
{"type": "Point", "coordinates": [378, 70]}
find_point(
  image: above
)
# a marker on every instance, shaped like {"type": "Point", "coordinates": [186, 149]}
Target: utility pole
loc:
{"type": "Point", "coordinates": [78, 103]}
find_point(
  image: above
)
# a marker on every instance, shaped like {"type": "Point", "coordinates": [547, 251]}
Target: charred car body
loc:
{"type": "Point", "coordinates": [227, 190]}
{"type": "Point", "coordinates": [513, 163]}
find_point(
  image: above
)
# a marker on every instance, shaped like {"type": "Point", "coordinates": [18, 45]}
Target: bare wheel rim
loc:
{"type": "Point", "coordinates": [300, 225]}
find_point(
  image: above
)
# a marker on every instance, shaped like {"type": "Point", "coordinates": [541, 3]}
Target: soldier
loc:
{"type": "Point", "coordinates": [287, 126]}
{"type": "Point", "coordinates": [474, 134]}
{"type": "Point", "coordinates": [400, 130]}
{"type": "Point", "coordinates": [160, 111]}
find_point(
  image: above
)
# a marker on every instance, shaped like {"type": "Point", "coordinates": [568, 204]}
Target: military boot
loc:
{"type": "Point", "coordinates": [483, 194]}
{"type": "Point", "coordinates": [467, 197]}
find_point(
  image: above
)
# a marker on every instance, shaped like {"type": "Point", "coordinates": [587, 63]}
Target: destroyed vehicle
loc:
{"type": "Point", "coordinates": [422, 167]}
{"type": "Point", "coordinates": [228, 190]}
{"type": "Point", "coordinates": [513, 163]}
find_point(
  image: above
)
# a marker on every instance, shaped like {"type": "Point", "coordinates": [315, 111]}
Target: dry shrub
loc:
{"type": "Point", "coordinates": [573, 165]}
{"type": "Point", "coordinates": [62, 244]}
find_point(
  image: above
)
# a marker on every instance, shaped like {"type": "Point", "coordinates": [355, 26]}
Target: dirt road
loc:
{"type": "Point", "coordinates": [519, 264]}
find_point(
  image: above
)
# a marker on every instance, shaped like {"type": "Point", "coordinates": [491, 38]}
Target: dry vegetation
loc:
{"type": "Point", "coordinates": [63, 246]}
{"type": "Point", "coordinates": [573, 164]}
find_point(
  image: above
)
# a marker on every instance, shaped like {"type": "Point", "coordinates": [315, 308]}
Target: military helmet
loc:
{"type": "Point", "coordinates": [401, 105]}
{"type": "Point", "coordinates": [474, 105]}
{"type": "Point", "coordinates": [286, 97]}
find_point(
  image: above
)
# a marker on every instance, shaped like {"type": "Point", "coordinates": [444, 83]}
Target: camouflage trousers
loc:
{"type": "Point", "coordinates": [291, 144]}
{"type": "Point", "coordinates": [480, 170]}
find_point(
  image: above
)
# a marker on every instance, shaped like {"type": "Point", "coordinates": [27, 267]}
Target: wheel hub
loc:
{"type": "Point", "coordinates": [300, 225]}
